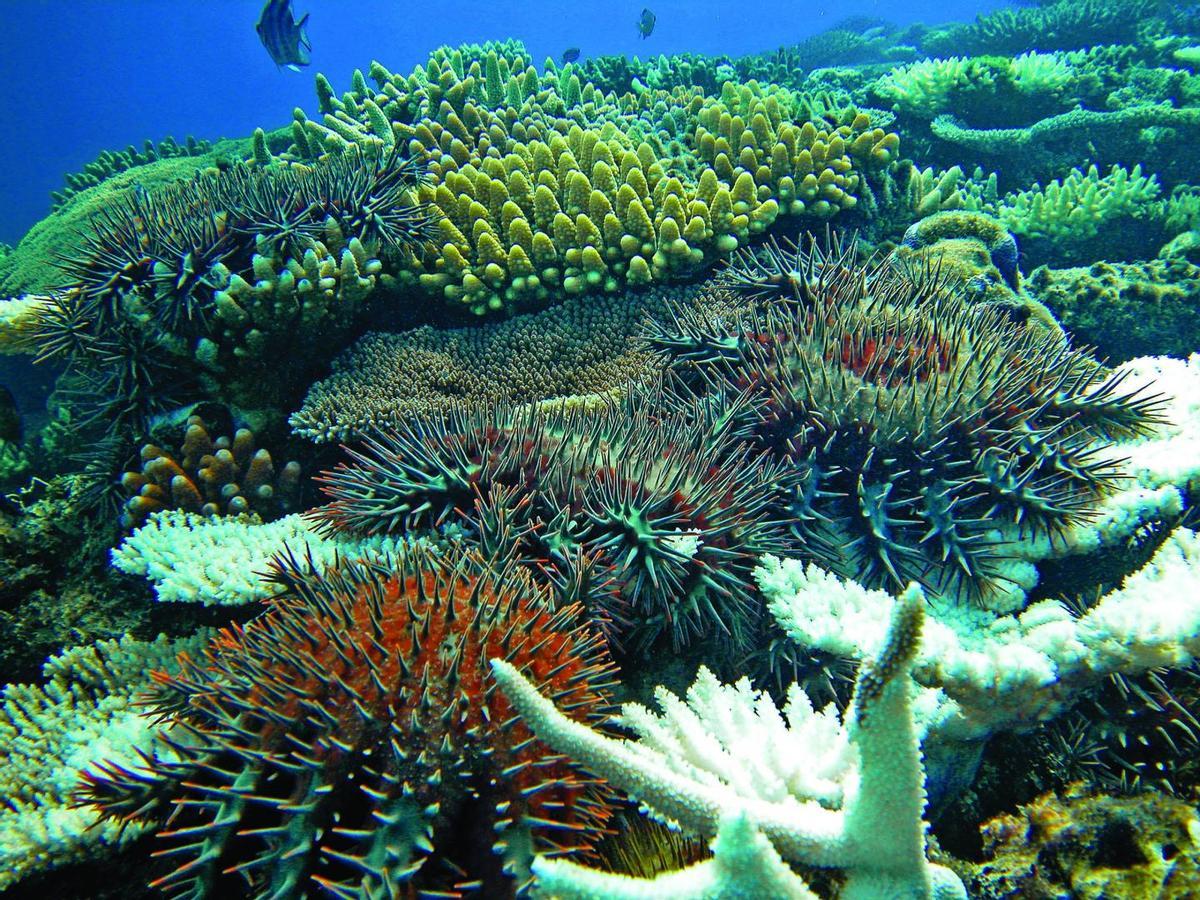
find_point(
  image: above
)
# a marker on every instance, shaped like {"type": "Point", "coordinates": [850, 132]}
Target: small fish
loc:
{"type": "Point", "coordinates": [10, 419]}
{"type": "Point", "coordinates": [285, 39]}
{"type": "Point", "coordinates": [570, 55]}
{"type": "Point", "coordinates": [645, 25]}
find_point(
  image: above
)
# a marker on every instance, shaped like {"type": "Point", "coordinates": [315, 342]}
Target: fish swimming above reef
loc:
{"type": "Point", "coordinates": [285, 38]}
{"type": "Point", "coordinates": [570, 55]}
{"type": "Point", "coordinates": [10, 419]}
{"type": "Point", "coordinates": [645, 25]}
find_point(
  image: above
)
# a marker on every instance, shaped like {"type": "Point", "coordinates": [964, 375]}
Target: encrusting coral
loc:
{"type": "Point", "coordinates": [773, 786]}
{"type": "Point", "coordinates": [351, 740]}
{"type": "Point", "coordinates": [1126, 310]}
{"type": "Point", "coordinates": [1092, 847]}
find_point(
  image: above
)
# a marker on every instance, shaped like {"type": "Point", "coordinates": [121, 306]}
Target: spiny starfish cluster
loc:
{"type": "Point", "coordinates": [352, 739]}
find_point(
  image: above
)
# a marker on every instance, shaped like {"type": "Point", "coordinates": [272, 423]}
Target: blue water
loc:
{"type": "Point", "coordinates": [86, 76]}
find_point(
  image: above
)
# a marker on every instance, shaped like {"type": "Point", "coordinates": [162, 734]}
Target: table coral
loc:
{"type": "Point", "coordinates": [583, 346]}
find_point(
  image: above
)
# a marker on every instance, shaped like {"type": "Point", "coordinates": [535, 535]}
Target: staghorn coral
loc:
{"type": "Point", "coordinates": [649, 506]}
{"type": "Point", "coordinates": [583, 346]}
{"type": "Point", "coordinates": [83, 712]}
{"type": "Point", "coordinates": [221, 476]}
{"type": "Point", "coordinates": [913, 422]}
{"type": "Point", "coordinates": [1126, 310]}
{"type": "Point", "coordinates": [844, 794]}
{"type": "Point", "coordinates": [350, 739]}
{"type": "Point", "coordinates": [547, 186]}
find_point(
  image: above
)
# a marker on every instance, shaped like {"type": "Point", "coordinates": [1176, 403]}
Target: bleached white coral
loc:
{"type": "Point", "coordinates": [1004, 671]}
{"type": "Point", "coordinates": [744, 866]}
{"type": "Point", "coordinates": [825, 792]}
{"type": "Point", "coordinates": [223, 560]}
{"type": "Point", "coordinates": [85, 712]}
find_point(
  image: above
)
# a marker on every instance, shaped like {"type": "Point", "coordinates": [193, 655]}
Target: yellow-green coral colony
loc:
{"type": "Point", "coordinates": [548, 186]}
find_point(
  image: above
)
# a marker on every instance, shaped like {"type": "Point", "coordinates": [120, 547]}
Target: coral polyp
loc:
{"type": "Point", "coordinates": [351, 739]}
{"type": "Point", "coordinates": [922, 432]}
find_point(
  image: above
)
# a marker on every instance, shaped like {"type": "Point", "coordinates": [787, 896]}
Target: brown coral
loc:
{"type": "Point", "coordinates": [1092, 847]}
{"type": "Point", "coordinates": [582, 347]}
{"type": "Point", "coordinates": [210, 476]}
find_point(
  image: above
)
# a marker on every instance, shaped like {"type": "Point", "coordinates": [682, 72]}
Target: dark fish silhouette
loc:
{"type": "Point", "coordinates": [10, 419]}
{"type": "Point", "coordinates": [284, 37]}
{"type": "Point", "coordinates": [570, 55]}
{"type": "Point", "coordinates": [645, 24]}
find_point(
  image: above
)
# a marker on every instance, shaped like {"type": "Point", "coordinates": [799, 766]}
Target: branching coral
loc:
{"type": "Point", "coordinates": [1075, 217]}
{"type": "Point", "coordinates": [86, 711]}
{"type": "Point", "coordinates": [212, 477]}
{"type": "Point", "coordinates": [840, 794]}
{"type": "Point", "coordinates": [584, 346]}
{"type": "Point", "coordinates": [223, 561]}
{"type": "Point", "coordinates": [351, 740]}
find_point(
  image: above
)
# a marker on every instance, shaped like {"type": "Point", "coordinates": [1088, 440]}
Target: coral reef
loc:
{"type": "Point", "coordinates": [583, 346]}
{"type": "Point", "coordinates": [547, 186]}
{"type": "Point", "coordinates": [350, 738]}
{"type": "Point", "coordinates": [1126, 310]}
